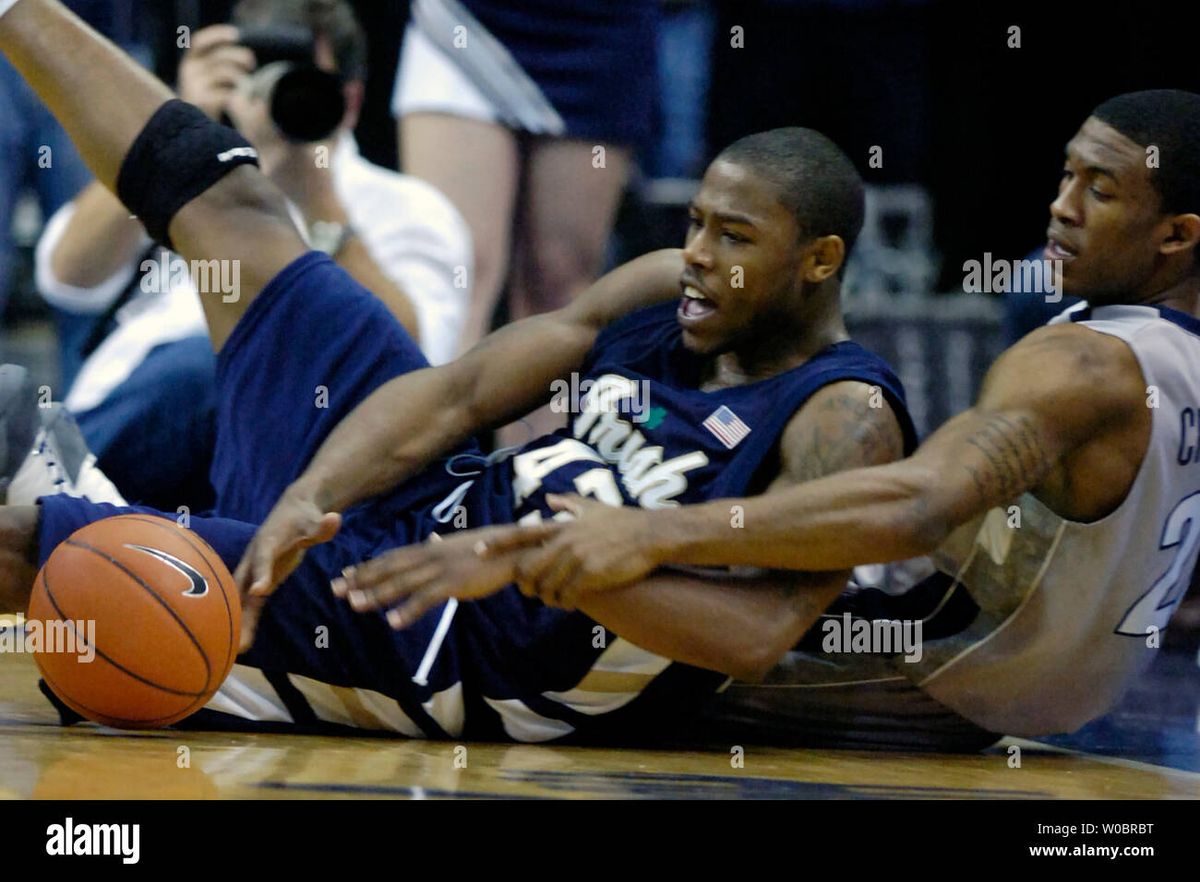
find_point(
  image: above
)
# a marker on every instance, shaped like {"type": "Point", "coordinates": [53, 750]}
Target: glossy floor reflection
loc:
{"type": "Point", "coordinates": [39, 759]}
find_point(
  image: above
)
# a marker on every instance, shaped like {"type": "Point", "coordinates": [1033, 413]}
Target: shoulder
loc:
{"type": "Point", "coordinates": [843, 425]}
{"type": "Point", "coordinates": [1064, 363]}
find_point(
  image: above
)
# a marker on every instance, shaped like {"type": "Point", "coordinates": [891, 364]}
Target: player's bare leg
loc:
{"type": "Point", "coordinates": [105, 101]}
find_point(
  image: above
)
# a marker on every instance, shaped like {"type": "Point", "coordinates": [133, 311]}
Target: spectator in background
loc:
{"type": "Point", "coordinates": [35, 152]}
{"type": "Point", "coordinates": [136, 358]}
{"type": "Point", "coordinates": [504, 106]}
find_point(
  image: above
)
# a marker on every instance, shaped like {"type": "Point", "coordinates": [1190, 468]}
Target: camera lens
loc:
{"type": "Point", "coordinates": [307, 104]}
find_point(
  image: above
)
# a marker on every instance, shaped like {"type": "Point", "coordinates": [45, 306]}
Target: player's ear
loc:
{"type": "Point", "coordinates": [1183, 234]}
{"type": "Point", "coordinates": [823, 258]}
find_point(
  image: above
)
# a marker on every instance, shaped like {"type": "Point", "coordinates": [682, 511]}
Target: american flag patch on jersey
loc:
{"type": "Point", "coordinates": [727, 426]}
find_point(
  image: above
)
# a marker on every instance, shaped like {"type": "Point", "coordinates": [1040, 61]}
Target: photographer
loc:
{"type": "Point", "coordinates": [136, 359]}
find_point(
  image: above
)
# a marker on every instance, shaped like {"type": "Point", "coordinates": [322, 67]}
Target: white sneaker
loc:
{"type": "Point", "coordinates": [18, 421]}
{"type": "Point", "coordinates": [60, 462]}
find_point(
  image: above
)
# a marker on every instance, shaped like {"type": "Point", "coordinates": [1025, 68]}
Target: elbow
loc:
{"type": "Point", "coordinates": [753, 666]}
{"type": "Point", "coordinates": [758, 656]}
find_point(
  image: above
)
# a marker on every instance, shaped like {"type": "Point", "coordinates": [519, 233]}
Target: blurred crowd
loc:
{"type": "Point", "coordinates": [517, 131]}
{"type": "Point", "coordinates": [486, 159]}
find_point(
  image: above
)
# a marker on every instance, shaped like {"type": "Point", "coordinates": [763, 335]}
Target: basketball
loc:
{"type": "Point", "coordinates": [139, 621]}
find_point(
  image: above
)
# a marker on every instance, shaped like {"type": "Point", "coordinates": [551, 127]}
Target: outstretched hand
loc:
{"type": "Point", "coordinates": [295, 524]}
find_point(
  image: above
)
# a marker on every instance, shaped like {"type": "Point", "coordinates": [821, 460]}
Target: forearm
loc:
{"type": "Point", "coordinates": [509, 373]}
{"type": "Point", "coordinates": [377, 447]}
{"type": "Point", "coordinates": [740, 627]}
{"type": "Point", "coordinates": [102, 98]}
{"type": "Point", "coordinates": [862, 516]}
{"type": "Point", "coordinates": [411, 420]}
{"type": "Point", "coordinates": [100, 240]}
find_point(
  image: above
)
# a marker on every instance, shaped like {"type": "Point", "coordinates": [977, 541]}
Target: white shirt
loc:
{"type": "Point", "coordinates": [413, 232]}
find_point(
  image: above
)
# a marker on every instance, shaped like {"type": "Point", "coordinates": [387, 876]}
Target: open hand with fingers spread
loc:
{"type": "Point", "coordinates": [295, 524]}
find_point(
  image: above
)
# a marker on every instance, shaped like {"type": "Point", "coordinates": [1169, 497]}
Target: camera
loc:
{"type": "Point", "coordinates": [307, 103]}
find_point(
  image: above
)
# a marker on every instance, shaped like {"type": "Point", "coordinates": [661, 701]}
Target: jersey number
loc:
{"type": "Point", "coordinates": [1153, 609]}
{"type": "Point", "coordinates": [531, 468]}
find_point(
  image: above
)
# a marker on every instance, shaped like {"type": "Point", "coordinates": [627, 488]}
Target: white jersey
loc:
{"type": "Point", "coordinates": [1071, 613]}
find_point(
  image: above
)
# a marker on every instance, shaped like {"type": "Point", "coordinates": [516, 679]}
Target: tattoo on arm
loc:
{"type": "Point", "coordinates": [1014, 460]}
{"type": "Point", "coordinates": [849, 433]}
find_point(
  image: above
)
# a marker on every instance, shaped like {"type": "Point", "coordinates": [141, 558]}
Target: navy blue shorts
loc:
{"type": "Point", "coordinates": [595, 62]}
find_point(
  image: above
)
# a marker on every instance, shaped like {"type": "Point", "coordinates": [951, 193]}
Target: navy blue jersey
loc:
{"type": "Point", "coordinates": [642, 419]}
{"type": "Point", "coordinates": [641, 432]}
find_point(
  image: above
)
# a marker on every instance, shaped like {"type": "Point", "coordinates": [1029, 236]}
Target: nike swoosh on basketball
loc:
{"type": "Point", "coordinates": [199, 583]}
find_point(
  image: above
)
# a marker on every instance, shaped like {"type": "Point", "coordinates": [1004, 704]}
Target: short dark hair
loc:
{"type": "Point", "coordinates": [1168, 119]}
{"type": "Point", "coordinates": [817, 182]}
{"type": "Point", "coordinates": [332, 19]}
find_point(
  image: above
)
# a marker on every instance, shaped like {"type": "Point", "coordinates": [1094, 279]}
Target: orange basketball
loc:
{"type": "Point", "coordinates": [138, 621]}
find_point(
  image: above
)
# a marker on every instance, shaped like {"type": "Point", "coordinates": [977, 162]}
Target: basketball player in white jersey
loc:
{"type": "Point", "coordinates": [1063, 509]}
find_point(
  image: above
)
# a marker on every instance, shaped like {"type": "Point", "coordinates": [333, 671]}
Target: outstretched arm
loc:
{"type": "Point", "coordinates": [509, 373]}
{"type": "Point", "coordinates": [411, 420]}
{"type": "Point", "coordinates": [1046, 397]}
{"type": "Point", "coordinates": [734, 623]}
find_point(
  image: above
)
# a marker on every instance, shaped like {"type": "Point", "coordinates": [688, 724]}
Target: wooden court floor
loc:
{"type": "Point", "coordinates": [41, 760]}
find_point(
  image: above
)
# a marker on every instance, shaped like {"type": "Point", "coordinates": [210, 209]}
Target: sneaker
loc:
{"type": "Point", "coordinates": [18, 421]}
{"type": "Point", "coordinates": [60, 462]}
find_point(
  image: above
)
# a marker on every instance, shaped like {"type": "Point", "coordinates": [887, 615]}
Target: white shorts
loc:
{"type": "Point", "coordinates": [485, 83]}
{"type": "Point", "coordinates": [429, 82]}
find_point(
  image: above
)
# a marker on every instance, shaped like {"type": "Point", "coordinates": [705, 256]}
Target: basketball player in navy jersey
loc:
{"type": "Point", "coordinates": [1063, 509]}
{"type": "Point", "coordinates": [718, 371]}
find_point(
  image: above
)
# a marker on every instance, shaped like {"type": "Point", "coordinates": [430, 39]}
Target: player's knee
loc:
{"type": "Point", "coordinates": [246, 194]}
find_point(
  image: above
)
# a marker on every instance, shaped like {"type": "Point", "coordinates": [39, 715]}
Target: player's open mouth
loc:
{"type": "Point", "coordinates": [694, 306]}
{"type": "Point", "coordinates": [1056, 250]}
